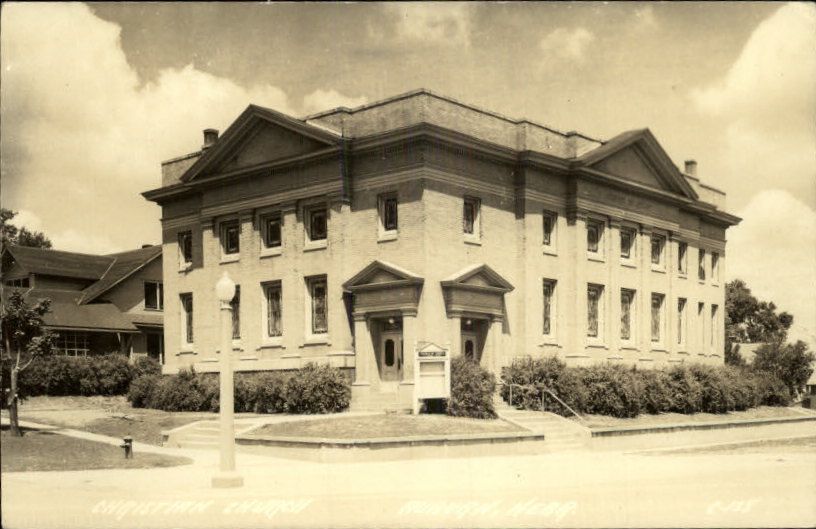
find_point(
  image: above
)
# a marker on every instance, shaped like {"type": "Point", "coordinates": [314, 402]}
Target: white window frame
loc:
{"type": "Point", "coordinates": [311, 335]}
{"type": "Point", "coordinates": [159, 296]}
{"type": "Point", "coordinates": [633, 249]}
{"type": "Point", "coordinates": [660, 343]}
{"type": "Point", "coordinates": [631, 342]}
{"type": "Point", "coordinates": [702, 265]}
{"type": "Point", "coordinates": [184, 326]}
{"type": "Point", "coordinates": [73, 344]}
{"type": "Point", "coordinates": [682, 324]}
{"type": "Point", "coordinates": [552, 247]}
{"type": "Point", "coordinates": [682, 260]}
{"type": "Point", "coordinates": [384, 234]}
{"type": "Point", "coordinates": [715, 268]}
{"type": "Point", "coordinates": [600, 254]}
{"type": "Point", "coordinates": [266, 338]}
{"type": "Point", "coordinates": [551, 337]}
{"type": "Point", "coordinates": [660, 266]}
{"type": "Point", "coordinates": [308, 211]}
{"type": "Point", "coordinates": [263, 229]}
{"type": "Point", "coordinates": [599, 339]}
{"type": "Point", "coordinates": [476, 236]}
{"type": "Point", "coordinates": [184, 264]}
{"type": "Point", "coordinates": [223, 226]}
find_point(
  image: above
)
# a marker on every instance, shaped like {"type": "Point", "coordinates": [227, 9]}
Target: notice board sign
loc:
{"type": "Point", "coordinates": [431, 373]}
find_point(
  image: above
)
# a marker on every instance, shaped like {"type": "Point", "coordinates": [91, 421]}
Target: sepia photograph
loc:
{"type": "Point", "coordinates": [435, 264]}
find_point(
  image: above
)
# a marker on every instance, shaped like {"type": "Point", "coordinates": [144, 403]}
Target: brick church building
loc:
{"type": "Point", "coordinates": [358, 235]}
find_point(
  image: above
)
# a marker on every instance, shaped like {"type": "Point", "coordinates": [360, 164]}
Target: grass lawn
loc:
{"type": "Point", "coordinates": [762, 412]}
{"type": "Point", "coordinates": [377, 426]}
{"type": "Point", "coordinates": [780, 446]}
{"type": "Point", "coordinates": [41, 450]}
{"type": "Point", "coordinates": [111, 416]}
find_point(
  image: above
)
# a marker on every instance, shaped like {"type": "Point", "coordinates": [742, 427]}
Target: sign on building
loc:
{"type": "Point", "coordinates": [431, 374]}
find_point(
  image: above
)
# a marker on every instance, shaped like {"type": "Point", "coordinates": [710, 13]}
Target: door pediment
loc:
{"type": "Point", "coordinates": [478, 277]}
{"type": "Point", "coordinates": [477, 289]}
{"type": "Point", "coordinates": [384, 287]}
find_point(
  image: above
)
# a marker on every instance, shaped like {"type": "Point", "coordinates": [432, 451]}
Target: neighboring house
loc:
{"type": "Point", "coordinates": [356, 236]}
{"type": "Point", "coordinates": [99, 303]}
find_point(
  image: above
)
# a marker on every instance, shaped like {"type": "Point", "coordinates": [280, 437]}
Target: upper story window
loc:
{"type": "Point", "coordinates": [658, 249]}
{"type": "Point", "coordinates": [682, 260]}
{"type": "Point", "coordinates": [594, 311]}
{"type": "Point", "coordinates": [715, 267]}
{"type": "Point", "coordinates": [230, 237]}
{"type": "Point", "coordinates": [186, 318]}
{"type": "Point", "coordinates": [471, 217]}
{"type": "Point", "coordinates": [154, 295]}
{"type": "Point", "coordinates": [627, 316]}
{"type": "Point", "coordinates": [594, 237]}
{"type": "Point", "coordinates": [271, 231]}
{"type": "Point", "coordinates": [549, 307]}
{"type": "Point", "coordinates": [657, 317]}
{"type": "Point", "coordinates": [317, 228]}
{"type": "Point", "coordinates": [236, 313]}
{"type": "Point", "coordinates": [274, 310]}
{"type": "Point", "coordinates": [627, 243]}
{"type": "Point", "coordinates": [387, 205]}
{"type": "Point", "coordinates": [701, 268]}
{"type": "Point", "coordinates": [185, 246]}
{"type": "Point", "coordinates": [319, 307]}
{"type": "Point", "coordinates": [549, 223]}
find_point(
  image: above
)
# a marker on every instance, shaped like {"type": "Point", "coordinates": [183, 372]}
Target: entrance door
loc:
{"type": "Point", "coordinates": [390, 356]}
{"type": "Point", "coordinates": [470, 345]}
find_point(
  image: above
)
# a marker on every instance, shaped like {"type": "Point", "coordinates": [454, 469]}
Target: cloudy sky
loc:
{"type": "Point", "coordinates": [95, 96]}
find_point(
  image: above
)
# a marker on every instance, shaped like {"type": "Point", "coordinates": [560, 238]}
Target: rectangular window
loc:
{"type": "Point", "coordinates": [549, 228]}
{"type": "Point", "coordinates": [594, 234]}
{"type": "Point", "coordinates": [549, 306]}
{"type": "Point", "coordinates": [72, 343]}
{"type": "Point", "coordinates": [187, 317]}
{"type": "Point", "coordinates": [470, 216]}
{"type": "Point", "coordinates": [21, 283]}
{"type": "Point", "coordinates": [682, 266]}
{"type": "Point", "coordinates": [701, 322]}
{"type": "Point", "coordinates": [271, 230]}
{"type": "Point", "coordinates": [681, 321]}
{"type": "Point", "coordinates": [657, 317]}
{"type": "Point", "coordinates": [715, 267]}
{"type": "Point", "coordinates": [658, 245]}
{"type": "Point", "coordinates": [230, 237]}
{"type": "Point", "coordinates": [317, 293]}
{"type": "Point", "coordinates": [154, 295]}
{"type": "Point", "coordinates": [627, 306]}
{"type": "Point", "coordinates": [185, 244]}
{"type": "Point", "coordinates": [236, 313]}
{"type": "Point", "coordinates": [389, 220]}
{"type": "Point", "coordinates": [714, 328]}
{"type": "Point", "coordinates": [701, 271]}
{"type": "Point", "coordinates": [627, 243]}
{"type": "Point", "coordinates": [318, 224]}
{"type": "Point", "coordinates": [594, 324]}
{"type": "Point", "coordinates": [274, 311]}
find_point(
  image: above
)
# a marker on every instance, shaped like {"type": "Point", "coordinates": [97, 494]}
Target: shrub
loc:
{"type": "Point", "coordinates": [657, 391]}
{"type": "Point", "coordinates": [472, 388]}
{"type": "Point", "coordinates": [771, 390]}
{"type": "Point", "coordinates": [534, 375]}
{"type": "Point", "coordinates": [611, 390]}
{"type": "Point", "coordinates": [111, 375]}
{"type": "Point", "coordinates": [140, 393]}
{"type": "Point", "coordinates": [178, 392]}
{"type": "Point", "coordinates": [144, 365]}
{"type": "Point", "coordinates": [269, 393]}
{"type": "Point", "coordinates": [686, 391]}
{"type": "Point", "coordinates": [317, 389]}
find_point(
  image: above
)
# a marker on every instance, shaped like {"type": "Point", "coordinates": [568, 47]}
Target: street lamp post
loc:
{"type": "Point", "coordinates": [227, 476]}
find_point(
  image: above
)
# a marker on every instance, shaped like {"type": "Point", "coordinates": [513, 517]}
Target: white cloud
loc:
{"type": "Point", "coordinates": [774, 251]}
{"type": "Point", "coordinates": [645, 17]}
{"type": "Point", "coordinates": [767, 105]}
{"type": "Point", "coordinates": [431, 22]}
{"type": "Point", "coordinates": [320, 100]}
{"type": "Point", "coordinates": [77, 126]}
{"type": "Point", "coordinates": [567, 44]}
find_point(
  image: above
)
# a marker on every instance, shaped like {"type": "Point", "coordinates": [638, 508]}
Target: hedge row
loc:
{"type": "Point", "coordinates": [311, 389]}
{"type": "Point", "coordinates": [619, 391]}
{"type": "Point", "coordinates": [93, 375]}
{"type": "Point", "coordinates": [472, 388]}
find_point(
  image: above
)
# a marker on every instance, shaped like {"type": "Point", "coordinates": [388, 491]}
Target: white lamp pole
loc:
{"type": "Point", "coordinates": [227, 476]}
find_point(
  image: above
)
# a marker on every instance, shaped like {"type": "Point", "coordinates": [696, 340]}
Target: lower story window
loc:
{"type": "Point", "coordinates": [657, 317]}
{"type": "Point", "coordinates": [317, 293]}
{"type": "Point", "coordinates": [72, 343]}
{"type": "Point", "coordinates": [594, 315]}
{"type": "Point", "coordinates": [274, 317]}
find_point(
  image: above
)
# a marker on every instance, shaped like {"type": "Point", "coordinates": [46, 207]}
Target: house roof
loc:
{"type": "Point", "coordinates": [59, 263]}
{"type": "Point", "coordinates": [124, 265]}
{"type": "Point", "coordinates": [65, 312]}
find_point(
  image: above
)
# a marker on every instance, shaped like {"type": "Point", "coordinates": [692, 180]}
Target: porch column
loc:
{"type": "Point", "coordinates": [455, 335]}
{"type": "Point", "coordinates": [494, 337]}
{"type": "Point", "coordinates": [409, 339]}
{"type": "Point", "coordinates": [363, 351]}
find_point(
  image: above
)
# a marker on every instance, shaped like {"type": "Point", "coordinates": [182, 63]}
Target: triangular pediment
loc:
{"type": "Point", "coordinates": [636, 156]}
{"type": "Point", "coordinates": [381, 273]}
{"type": "Point", "coordinates": [478, 276]}
{"type": "Point", "coordinates": [260, 136]}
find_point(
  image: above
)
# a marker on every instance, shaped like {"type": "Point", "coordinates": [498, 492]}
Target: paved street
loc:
{"type": "Point", "coordinates": [772, 487]}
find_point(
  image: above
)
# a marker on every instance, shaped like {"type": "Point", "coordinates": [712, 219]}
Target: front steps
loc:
{"type": "Point", "coordinates": [202, 435]}
{"type": "Point", "coordinates": [560, 434]}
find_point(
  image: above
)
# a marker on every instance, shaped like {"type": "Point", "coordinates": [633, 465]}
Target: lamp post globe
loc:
{"type": "Point", "coordinates": [225, 288]}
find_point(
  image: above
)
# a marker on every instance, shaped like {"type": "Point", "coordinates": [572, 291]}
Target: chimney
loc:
{"type": "Point", "coordinates": [691, 168]}
{"type": "Point", "coordinates": [210, 137]}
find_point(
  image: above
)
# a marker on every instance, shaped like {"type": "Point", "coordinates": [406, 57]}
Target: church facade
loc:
{"type": "Point", "coordinates": [356, 236]}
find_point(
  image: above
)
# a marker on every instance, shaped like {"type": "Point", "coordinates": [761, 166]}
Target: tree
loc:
{"type": "Point", "coordinates": [748, 319]}
{"type": "Point", "coordinates": [733, 356]}
{"type": "Point", "coordinates": [23, 340]}
{"type": "Point", "coordinates": [790, 362]}
{"type": "Point", "coordinates": [12, 235]}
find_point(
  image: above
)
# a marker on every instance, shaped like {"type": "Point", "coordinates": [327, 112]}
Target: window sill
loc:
{"type": "Point", "coordinates": [549, 341]}
{"type": "Point", "coordinates": [628, 264]}
{"type": "Point", "coordinates": [550, 251]}
{"type": "Point", "coordinates": [614, 357]}
{"type": "Point", "coordinates": [472, 240]}
{"type": "Point", "coordinates": [185, 352]}
{"type": "Point", "coordinates": [235, 348]}
{"type": "Point", "coordinates": [248, 357]}
{"type": "Point", "coordinates": [386, 236]}
{"type": "Point", "coordinates": [316, 340]}
{"type": "Point", "coordinates": [659, 349]}
{"type": "Point", "coordinates": [270, 252]}
{"type": "Point", "coordinates": [271, 344]}
{"type": "Point", "coordinates": [595, 257]}
{"type": "Point", "coordinates": [229, 259]}
{"type": "Point", "coordinates": [682, 275]}
{"type": "Point", "coordinates": [658, 269]}
{"type": "Point", "coordinates": [149, 309]}
{"type": "Point", "coordinates": [629, 348]}
{"type": "Point", "coordinates": [701, 281]}
{"type": "Point", "coordinates": [315, 245]}
{"type": "Point", "coordinates": [684, 353]}
{"type": "Point", "coordinates": [596, 345]}
{"type": "Point", "coordinates": [646, 359]}
{"type": "Point", "coordinates": [184, 268]}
